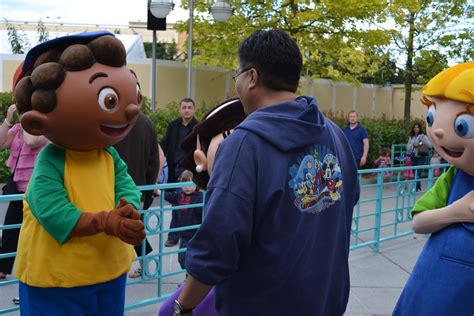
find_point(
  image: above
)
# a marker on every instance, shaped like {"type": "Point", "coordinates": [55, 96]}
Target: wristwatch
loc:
{"type": "Point", "coordinates": [178, 309]}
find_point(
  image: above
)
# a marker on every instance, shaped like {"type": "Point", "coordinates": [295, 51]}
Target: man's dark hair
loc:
{"type": "Point", "coordinates": [275, 56]}
{"type": "Point", "coordinates": [187, 100]}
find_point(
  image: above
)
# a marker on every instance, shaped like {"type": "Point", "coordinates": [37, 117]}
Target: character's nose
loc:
{"type": "Point", "coordinates": [131, 111]}
{"type": "Point", "coordinates": [439, 132]}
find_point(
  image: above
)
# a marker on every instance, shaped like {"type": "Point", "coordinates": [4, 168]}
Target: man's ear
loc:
{"type": "Point", "coordinates": [35, 122]}
{"type": "Point", "coordinates": [253, 78]}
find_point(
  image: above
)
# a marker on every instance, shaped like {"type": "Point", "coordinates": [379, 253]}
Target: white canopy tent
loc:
{"type": "Point", "coordinates": [133, 43]}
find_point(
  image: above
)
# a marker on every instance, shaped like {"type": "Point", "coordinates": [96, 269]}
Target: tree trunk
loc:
{"type": "Point", "coordinates": [409, 70]}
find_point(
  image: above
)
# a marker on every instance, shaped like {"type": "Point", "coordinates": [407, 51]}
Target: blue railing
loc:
{"type": "Point", "coordinates": [386, 199]}
{"type": "Point", "coordinates": [400, 150]}
{"type": "Point", "coordinates": [382, 214]}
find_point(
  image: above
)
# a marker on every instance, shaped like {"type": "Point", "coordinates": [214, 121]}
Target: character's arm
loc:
{"type": "Point", "coordinates": [47, 196]}
{"type": "Point", "coordinates": [49, 204]}
{"type": "Point", "coordinates": [460, 211]}
{"type": "Point", "coordinates": [430, 211]}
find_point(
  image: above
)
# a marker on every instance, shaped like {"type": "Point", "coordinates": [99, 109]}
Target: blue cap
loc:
{"type": "Point", "coordinates": [61, 43]}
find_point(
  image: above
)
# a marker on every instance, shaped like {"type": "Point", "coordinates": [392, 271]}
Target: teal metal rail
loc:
{"type": "Point", "coordinates": [398, 151]}
{"type": "Point", "coordinates": [383, 210]}
{"type": "Point", "coordinates": [382, 214]}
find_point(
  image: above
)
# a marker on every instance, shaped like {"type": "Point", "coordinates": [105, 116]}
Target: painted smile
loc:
{"type": "Point", "coordinates": [113, 130]}
{"type": "Point", "coordinates": [455, 153]}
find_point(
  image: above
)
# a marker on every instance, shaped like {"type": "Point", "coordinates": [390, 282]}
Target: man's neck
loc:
{"type": "Point", "coordinates": [185, 122]}
{"type": "Point", "coordinates": [352, 126]}
{"type": "Point", "coordinates": [275, 98]}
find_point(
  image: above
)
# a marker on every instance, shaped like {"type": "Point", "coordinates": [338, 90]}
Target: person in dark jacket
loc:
{"type": "Point", "coordinates": [177, 130]}
{"type": "Point", "coordinates": [278, 211]}
{"type": "Point", "coordinates": [139, 150]}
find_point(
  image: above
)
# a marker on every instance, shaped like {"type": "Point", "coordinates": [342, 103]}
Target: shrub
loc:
{"type": "Point", "coordinates": [162, 117]}
{"type": "Point", "coordinates": [383, 132]}
{"type": "Point", "coordinates": [6, 99]}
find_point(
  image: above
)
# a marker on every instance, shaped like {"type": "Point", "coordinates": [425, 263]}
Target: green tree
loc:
{"type": "Point", "coordinates": [166, 51]}
{"type": "Point", "coordinates": [387, 71]}
{"type": "Point", "coordinates": [428, 25]}
{"type": "Point", "coordinates": [42, 31]}
{"type": "Point", "coordinates": [329, 33]}
{"type": "Point", "coordinates": [18, 41]}
{"type": "Point", "coordinates": [428, 64]}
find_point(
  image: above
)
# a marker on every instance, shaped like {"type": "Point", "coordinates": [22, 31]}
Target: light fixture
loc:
{"type": "Point", "coordinates": [161, 8]}
{"type": "Point", "coordinates": [221, 11]}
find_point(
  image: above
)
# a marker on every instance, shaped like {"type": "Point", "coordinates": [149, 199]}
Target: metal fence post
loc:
{"type": "Point", "coordinates": [378, 210]}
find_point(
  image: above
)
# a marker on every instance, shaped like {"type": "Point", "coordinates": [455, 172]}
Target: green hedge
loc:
{"type": "Point", "coordinates": [383, 132]}
{"type": "Point", "coordinates": [6, 99]}
{"type": "Point", "coordinates": [162, 117]}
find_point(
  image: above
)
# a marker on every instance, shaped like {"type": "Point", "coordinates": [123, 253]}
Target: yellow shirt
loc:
{"type": "Point", "coordinates": [90, 182]}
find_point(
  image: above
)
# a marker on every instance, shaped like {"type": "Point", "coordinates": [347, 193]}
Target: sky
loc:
{"type": "Point", "coordinates": [104, 12]}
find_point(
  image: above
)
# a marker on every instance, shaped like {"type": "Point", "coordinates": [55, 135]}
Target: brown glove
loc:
{"type": "Point", "coordinates": [123, 222]}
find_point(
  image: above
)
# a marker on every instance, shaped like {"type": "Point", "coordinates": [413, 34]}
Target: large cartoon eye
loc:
{"type": "Point", "coordinates": [464, 125]}
{"type": "Point", "coordinates": [430, 117]}
{"type": "Point", "coordinates": [108, 99]}
{"type": "Point", "coordinates": [139, 94]}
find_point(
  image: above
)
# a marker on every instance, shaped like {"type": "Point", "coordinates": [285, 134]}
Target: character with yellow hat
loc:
{"type": "Point", "coordinates": [442, 282]}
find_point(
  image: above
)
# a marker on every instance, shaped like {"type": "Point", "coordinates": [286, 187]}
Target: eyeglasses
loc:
{"type": "Point", "coordinates": [241, 72]}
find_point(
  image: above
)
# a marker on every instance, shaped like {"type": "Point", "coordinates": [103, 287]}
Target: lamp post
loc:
{"type": "Point", "coordinates": [221, 11]}
{"type": "Point", "coordinates": [156, 20]}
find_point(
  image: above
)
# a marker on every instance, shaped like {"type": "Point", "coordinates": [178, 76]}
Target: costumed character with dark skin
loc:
{"type": "Point", "coordinates": [442, 281]}
{"type": "Point", "coordinates": [80, 219]}
{"type": "Point", "coordinates": [200, 148]}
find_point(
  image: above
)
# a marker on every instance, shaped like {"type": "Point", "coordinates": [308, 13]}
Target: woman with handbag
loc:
{"type": "Point", "coordinates": [417, 149]}
{"type": "Point", "coordinates": [23, 151]}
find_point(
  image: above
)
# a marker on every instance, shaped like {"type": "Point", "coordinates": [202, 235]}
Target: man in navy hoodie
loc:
{"type": "Point", "coordinates": [275, 238]}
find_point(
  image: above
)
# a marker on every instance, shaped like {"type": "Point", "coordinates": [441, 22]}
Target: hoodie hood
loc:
{"type": "Point", "coordinates": [288, 125]}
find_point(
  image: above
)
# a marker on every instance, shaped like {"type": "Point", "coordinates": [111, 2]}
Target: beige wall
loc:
{"type": "Point", "coordinates": [323, 92]}
{"type": "Point", "coordinates": [215, 84]}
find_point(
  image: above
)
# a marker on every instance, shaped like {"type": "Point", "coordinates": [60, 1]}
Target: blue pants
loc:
{"type": "Point", "coordinates": [106, 298]}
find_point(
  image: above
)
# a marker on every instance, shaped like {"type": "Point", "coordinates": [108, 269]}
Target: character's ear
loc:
{"type": "Point", "coordinates": [211, 151]}
{"type": "Point", "coordinates": [200, 160]}
{"type": "Point", "coordinates": [35, 122]}
{"type": "Point", "coordinates": [199, 157]}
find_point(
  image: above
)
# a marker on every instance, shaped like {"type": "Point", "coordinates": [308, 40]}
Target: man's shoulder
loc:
{"type": "Point", "coordinates": [174, 123]}
{"type": "Point", "coordinates": [361, 127]}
